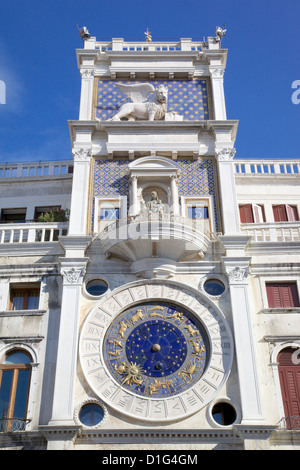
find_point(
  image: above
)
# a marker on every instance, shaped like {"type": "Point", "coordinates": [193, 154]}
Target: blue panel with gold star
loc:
{"type": "Point", "coordinates": [188, 98]}
{"type": "Point", "coordinates": [197, 178]}
{"type": "Point", "coordinates": [156, 349]}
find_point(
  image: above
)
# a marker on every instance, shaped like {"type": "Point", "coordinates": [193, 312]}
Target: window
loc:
{"type": "Point", "coordinates": [289, 376]}
{"type": "Point", "coordinates": [110, 214]}
{"type": "Point", "coordinates": [251, 213]}
{"type": "Point", "coordinates": [15, 372]}
{"type": "Point", "coordinates": [200, 210]}
{"type": "Point", "coordinates": [108, 210]}
{"type": "Point", "coordinates": [42, 210]}
{"type": "Point", "coordinates": [285, 213]}
{"type": "Point", "coordinates": [96, 287]}
{"type": "Point", "coordinates": [195, 212]}
{"type": "Point", "coordinates": [224, 414]}
{"type": "Point", "coordinates": [24, 298]}
{"type": "Point", "coordinates": [13, 215]}
{"type": "Point", "coordinates": [282, 295]}
{"type": "Point", "coordinates": [214, 287]}
{"type": "Point", "coordinates": [91, 414]}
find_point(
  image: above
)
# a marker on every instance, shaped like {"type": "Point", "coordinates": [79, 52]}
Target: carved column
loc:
{"type": "Point", "coordinates": [79, 202]}
{"type": "Point", "coordinates": [174, 195]}
{"type": "Point", "coordinates": [217, 74]}
{"type": "Point", "coordinates": [73, 272]}
{"type": "Point", "coordinates": [86, 99]}
{"type": "Point", "coordinates": [230, 214]}
{"type": "Point", "coordinates": [134, 205]}
{"type": "Point", "coordinates": [238, 270]}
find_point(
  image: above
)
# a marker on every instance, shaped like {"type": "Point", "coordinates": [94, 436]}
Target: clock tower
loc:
{"type": "Point", "coordinates": [155, 343]}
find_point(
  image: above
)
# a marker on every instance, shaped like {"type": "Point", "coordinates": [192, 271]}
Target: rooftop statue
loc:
{"type": "Point", "coordinates": [220, 32]}
{"type": "Point", "coordinates": [140, 108]}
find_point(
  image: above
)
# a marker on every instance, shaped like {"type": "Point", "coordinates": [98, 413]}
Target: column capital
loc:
{"type": "Point", "coordinates": [87, 73]}
{"type": "Point", "coordinates": [237, 269]}
{"type": "Point", "coordinates": [82, 154]}
{"type": "Point", "coordinates": [225, 154]}
{"type": "Point", "coordinates": [73, 271]}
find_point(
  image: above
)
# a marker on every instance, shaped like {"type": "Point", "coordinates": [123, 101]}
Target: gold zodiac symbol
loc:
{"type": "Point", "coordinates": [138, 316]}
{"type": "Point", "coordinates": [187, 374]}
{"type": "Point", "coordinates": [157, 384]}
{"type": "Point", "coordinates": [191, 331]}
{"type": "Point", "coordinates": [197, 348]}
{"type": "Point", "coordinates": [123, 328]}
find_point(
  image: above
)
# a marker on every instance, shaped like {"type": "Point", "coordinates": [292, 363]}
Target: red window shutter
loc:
{"type": "Point", "coordinates": [273, 295]}
{"type": "Point", "coordinates": [279, 213]}
{"type": "Point", "coordinates": [258, 213]}
{"type": "Point", "coordinates": [282, 295]}
{"type": "Point", "coordinates": [289, 376]}
{"type": "Point", "coordinates": [246, 214]}
{"type": "Point", "coordinates": [292, 213]}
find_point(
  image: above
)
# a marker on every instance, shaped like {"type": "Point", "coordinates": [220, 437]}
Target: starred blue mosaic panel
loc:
{"type": "Point", "coordinates": [188, 98]}
{"type": "Point", "coordinates": [197, 178]}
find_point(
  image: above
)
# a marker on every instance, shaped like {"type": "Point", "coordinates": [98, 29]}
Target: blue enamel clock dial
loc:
{"type": "Point", "coordinates": [158, 346]}
{"type": "Point", "coordinates": [156, 349]}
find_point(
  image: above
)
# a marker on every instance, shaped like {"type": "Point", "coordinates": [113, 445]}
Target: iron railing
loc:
{"type": "Point", "coordinates": [13, 424]}
{"type": "Point", "coordinates": [290, 423]}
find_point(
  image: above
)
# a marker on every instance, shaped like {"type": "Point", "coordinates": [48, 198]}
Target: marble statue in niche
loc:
{"type": "Point", "coordinates": [154, 201]}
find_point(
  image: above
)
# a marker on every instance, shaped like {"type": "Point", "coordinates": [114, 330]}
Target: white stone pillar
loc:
{"type": "Point", "coordinates": [174, 196]}
{"type": "Point", "coordinates": [217, 83]}
{"type": "Point", "coordinates": [79, 201]}
{"type": "Point", "coordinates": [86, 97]}
{"type": "Point", "coordinates": [230, 212]}
{"type": "Point", "coordinates": [237, 270]}
{"type": "Point", "coordinates": [134, 204]}
{"type": "Point", "coordinates": [73, 271]}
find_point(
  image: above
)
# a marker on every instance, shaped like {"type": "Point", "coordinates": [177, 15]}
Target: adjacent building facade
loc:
{"type": "Point", "coordinates": [149, 287]}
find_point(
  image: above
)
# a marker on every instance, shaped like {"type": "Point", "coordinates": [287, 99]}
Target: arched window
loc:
{"type": "Point", "coordinates": [15, 372]}
{"type": "Point", "coordinates": [289, 375]}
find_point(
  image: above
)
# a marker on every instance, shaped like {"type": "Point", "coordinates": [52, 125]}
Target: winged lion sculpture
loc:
{"type": "Point", "coordinates": [140, 108]}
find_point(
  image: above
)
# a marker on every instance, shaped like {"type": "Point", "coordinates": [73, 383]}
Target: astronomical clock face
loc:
{"type": "Point", "coordinates": [156, 349]}
{"type": "Point", "coordinates": [157, 360]}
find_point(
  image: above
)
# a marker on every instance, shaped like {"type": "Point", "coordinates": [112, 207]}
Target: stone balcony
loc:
{"type": "Point", "coordinates": [149, 237]}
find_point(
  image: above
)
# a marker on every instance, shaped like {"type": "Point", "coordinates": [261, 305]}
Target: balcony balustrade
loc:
{"type": "Point", "coordinates": [32, 232]}
{"type": "Point", "coordinates": [267, 167]}
{"type": "Point", "coordinates": [35, 169]}
{"type": "Point", "coordinates": [273, 232]}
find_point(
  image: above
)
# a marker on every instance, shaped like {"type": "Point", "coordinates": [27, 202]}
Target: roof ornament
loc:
{"type": "Point", "coordinates": [220, 32]}
{"type": "Point", "coordinates": [84, 34]}
{"type": "Point", "coordinates": [148, 36]}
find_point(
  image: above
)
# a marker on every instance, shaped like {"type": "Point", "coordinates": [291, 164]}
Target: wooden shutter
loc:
{"type": "Point", "coordinates": [292, 213]}
{"type": "Point", "coordinates": [246, 214]}
{"type": "Point", "coordinates": [279, 213]}
{"type": "Point", "coordinates": [289, 375]}
{"type": "Point", "coordinates": [282, 295]}
{"type": "Point", "coordinates": [257, 213]}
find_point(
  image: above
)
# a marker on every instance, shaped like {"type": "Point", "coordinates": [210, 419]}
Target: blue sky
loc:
{"type": "Point", "coordinates": [38, 64]}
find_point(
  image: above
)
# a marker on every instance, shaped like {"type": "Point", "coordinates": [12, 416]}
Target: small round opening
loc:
{"type": "Point", "coordinates": [214, 287]}
{"type": "Point", "coordinates": [96, 287]}
{"type": "Point", "coordinates": [224, 414]}
{"type": "Point", "coordinates": [91, 414]}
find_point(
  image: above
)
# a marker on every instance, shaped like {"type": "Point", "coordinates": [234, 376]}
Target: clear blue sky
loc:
{"type": "Point", "coordinates": [38, 64]}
